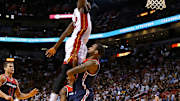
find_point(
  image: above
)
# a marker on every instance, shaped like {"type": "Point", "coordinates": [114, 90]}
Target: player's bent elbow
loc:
{"type": "Point", "coordinates": [68, 73]}
{"type": "Point", "coordinates": [61, 92]}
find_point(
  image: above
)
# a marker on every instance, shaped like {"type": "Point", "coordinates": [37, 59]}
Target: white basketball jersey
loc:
{"type": "Point", "coordinates": [82, 25]}
{"type": "Point", "coordinates": [80, 36]}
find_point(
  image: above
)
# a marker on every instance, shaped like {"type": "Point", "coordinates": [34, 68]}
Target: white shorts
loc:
{"type": "Point", "coordinates": [70, 46]}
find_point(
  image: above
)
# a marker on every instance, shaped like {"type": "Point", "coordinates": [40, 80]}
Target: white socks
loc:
{"type": "Point", "coordinates": [53, 97]}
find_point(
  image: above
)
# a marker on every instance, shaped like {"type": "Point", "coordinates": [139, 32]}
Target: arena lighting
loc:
{"type": "Point", "coordinates": [7, 16]}
{"type": "Point", "coordinates": [122, 47]}
{"type": "Point", "coordinates": [10, 59]}
{"type": "Point", "coordinates": [99, 35]}
{"type": "Point", "coordinates": [175, 45]}
{"type": "Point", "coordinates": [60, 16]}
{"type": "Point", "coordinates": [151, 12]}
{"type": "Point", "coordinates": [105, 46]}
{"type": "Point", "coordinates": [12, 16]}
{"type": "Point", "coordinates": [144, 14]}
{"type": "Point", "coordinates": [43, 48]}
{"type": "Point", "coordinates": [123, 54]}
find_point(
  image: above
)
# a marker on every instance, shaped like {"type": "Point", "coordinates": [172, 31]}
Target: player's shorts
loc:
{"type": "Point", "coordinates": [84, 95]}
{"type": "Point", "coordinates": [71, 98]}
{"type": "Point", "coordinates": [72, 45]}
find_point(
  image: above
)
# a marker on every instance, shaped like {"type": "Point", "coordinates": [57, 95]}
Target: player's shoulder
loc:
{"type": "Point", "coordinates": [16, 81]}
{"type": "Point", "coordinates": [76, 10]}
{"type": "Point", "coordinates": [2, 78]}
{"type": "Point", "coordinates": [94, 61]}
{"type": "Point", "coordinates": [63, 90]}
{"type": "Point", "coordinates": [68, 86]}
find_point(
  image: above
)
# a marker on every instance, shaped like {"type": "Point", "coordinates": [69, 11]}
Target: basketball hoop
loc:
{"type": "Point", "coordinates": [156, 4]}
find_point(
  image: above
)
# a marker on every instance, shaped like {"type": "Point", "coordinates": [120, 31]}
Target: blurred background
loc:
{"type": "Point", "coordinates": [137, 65]}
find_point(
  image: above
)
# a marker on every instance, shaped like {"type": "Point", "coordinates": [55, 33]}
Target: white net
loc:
{"type": "Point", "coordinates": [156, 4]}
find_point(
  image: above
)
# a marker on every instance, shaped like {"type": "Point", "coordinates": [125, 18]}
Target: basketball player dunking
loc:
{"type": "Point", "coordinates": [9, 87]}
{"type": "Point", "coordinates": [76, 44]}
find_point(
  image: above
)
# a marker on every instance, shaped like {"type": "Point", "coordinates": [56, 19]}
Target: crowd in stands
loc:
{"type": "Point", "coordinates": [31, 11]}
{"type": "Point", "coordinates": [32, 8]}
{"type": "Point", "coordinates": [140, 76]}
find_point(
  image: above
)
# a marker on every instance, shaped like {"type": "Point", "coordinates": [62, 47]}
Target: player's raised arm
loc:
{"type": "Point", "coordinates": [2, 94]}
{"type": "Point", "coordinates": [67, 32]}
{"type": "Point", "coordinates": [63, 93]}
{"type": "Point", "coordinates": [22, 96]}
{"type": "Point", "coordinates": [89, 65]}
{"type": "Point", "coordinates": [81, 3]}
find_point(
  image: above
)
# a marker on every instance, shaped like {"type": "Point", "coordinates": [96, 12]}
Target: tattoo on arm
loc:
{"type": "Point", "coordinates": [67, 32]}
{"type": "Point", "coordinates": [2, 80]}
{"type": "Point", "coordinates": [81, 68]}
{"type": "Point", "coordinates": [63, 94]}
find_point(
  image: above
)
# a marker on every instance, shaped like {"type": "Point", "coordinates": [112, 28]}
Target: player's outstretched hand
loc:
{"type": "Point", "coordinates": [9, 98]}
{"type": "Point", "coordinates": [50, 52]}
{"type": "Point", "coordinates": [34, 92]}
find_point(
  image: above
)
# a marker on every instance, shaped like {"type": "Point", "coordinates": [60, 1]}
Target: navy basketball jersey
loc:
{"type": "Point", "coordinates": [8, 87]}
{"type": "Point", "coordinates": [70, 93]}
{"type": "Point", "coordinates": [84, 83]}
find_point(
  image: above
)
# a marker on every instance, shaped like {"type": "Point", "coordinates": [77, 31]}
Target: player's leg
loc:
{"type": "Point", "coordinates": [83, 98]}
{"type": "Point", "coordinates": [59, 82]}
{"type": "Point", "coordinates": [82, 53]}
{"type": "Point", "coordinates": [90, 97]}
{"type": "Point", "coordinates": [70, 48]}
